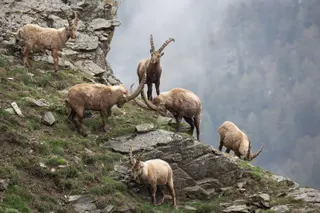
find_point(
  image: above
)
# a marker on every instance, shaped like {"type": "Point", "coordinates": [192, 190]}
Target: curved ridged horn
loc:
{"type": "Point", "coordinates": [139, 89]}
{"type": "Point", "coordinates": [132, 159]}
{"type": "Point", "coordinates": [165, 44]}
{"type": "Point", "coordinates": [66, 16]}
{"type": "Point", "coordinates": [248, 152]}
{"type": "Point", "coordinates": [76, 19]}
{"type": "Point", "coordinates": [253, 156]}
{"type": "Point", "coordinates": [151, 106]}
{"type": "Point", "coordinates": [151, 44]}
{"type": "Point", "coordinates": [139, 103]}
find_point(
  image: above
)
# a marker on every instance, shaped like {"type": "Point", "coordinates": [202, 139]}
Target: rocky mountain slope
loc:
{"type": "Point", "coordinates": [46, 166]}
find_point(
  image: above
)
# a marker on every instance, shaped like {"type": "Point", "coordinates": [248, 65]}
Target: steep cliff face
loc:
{"type": "Point", "coordinates": [87, 52]}
{"type": "Point", "coordinates": [50, 168]}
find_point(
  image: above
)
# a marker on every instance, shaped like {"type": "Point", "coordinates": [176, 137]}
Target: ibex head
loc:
{"type": "Point", "coordinates": [71, 29]}
{"type": "Point", "coordinates": [157, 54]}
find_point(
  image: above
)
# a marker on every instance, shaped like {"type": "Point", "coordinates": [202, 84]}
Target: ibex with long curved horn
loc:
{"type": "Point", "coordinates": [236, 140]}
{"type": "Point", "coordinates": [182, 103]}
{"type": "Point", "coordinates": [153, 172]}
{"type": "Point", "coordinates": [34, 37]}
{"type": "Point", "coordinates": [153, 67]}
{"type": "Point", "coordinates": [97, 97]}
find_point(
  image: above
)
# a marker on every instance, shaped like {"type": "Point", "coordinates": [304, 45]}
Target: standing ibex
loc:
{"type": "Point", "coordinates": [153, 67]}
{"type": "Point", "coordinates": [153, 172]}
{"type": "Point", "coordinates": [182, 103]}
{"type": "Point", "coordinates": [236, 140]}
{"type": "Point", "coordinates": [39, 38]}
{"type": "Point", "coordinates": [97, 97]}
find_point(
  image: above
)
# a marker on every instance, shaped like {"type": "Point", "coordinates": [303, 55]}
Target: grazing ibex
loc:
{"type": "Point", "coordinates": [34, 37]}
{"type": "Point", "coordinates": [182, 103]}
{"type": "Point", "coordinates": [153, 67]}
{"type": "Point", "coordinates": [97, 97]}
{"type": "Point", "coordinates": [153, 172]}
{"type": "Point", "coordinates": [236, 140]}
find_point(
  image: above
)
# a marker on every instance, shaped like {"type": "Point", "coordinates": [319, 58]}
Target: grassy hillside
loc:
{"type": "Point", "coordinates": [45, 163]}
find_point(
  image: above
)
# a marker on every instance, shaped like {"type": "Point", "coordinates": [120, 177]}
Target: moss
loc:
{"type": "Point", "coordinates": [56, 161]}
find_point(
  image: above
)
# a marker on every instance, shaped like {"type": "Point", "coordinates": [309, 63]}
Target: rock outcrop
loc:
{"type": "Point", "coordinates": [203, 173]}
{"type": "Point", "coordinates": [95, 31]}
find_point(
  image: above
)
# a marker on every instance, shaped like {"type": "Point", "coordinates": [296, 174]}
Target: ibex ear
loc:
{"type": "Point", "coordinates": [151, 51]}
{"type": "Point", "coordinates": [161, 54]}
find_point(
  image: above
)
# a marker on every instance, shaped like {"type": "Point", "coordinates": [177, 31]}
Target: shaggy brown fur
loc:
{"type": "Point", "coordinates": [38, 39]}
{"type": "Point", "coordinates": [153, 172]}
{"type": "Point", "coordinates": [236, 140]}
{"type": "Point", "coordinates": [182, 103]}
{"type": "Point", "coordinates": [97, 97]}
{"type": "Point", "coordinates": [153, 67]}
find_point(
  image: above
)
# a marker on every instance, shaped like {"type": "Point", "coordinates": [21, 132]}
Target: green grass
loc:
{"type": "Point", "coordinates": [73, 164]}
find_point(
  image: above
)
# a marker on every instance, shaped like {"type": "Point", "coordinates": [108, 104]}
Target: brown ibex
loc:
{"type": "Point", "coordinates": [153, 172]}
{"type": "Point", "coordinates": [236, 140]}
{"type": "Point", "coordinates": [97, 97]}
{"type": "Point", "coordinates": [182, 103]}
{"type": "Point", "coordinates": [34, 37]}
{"type": "Point", "coordinates": [153, 67]}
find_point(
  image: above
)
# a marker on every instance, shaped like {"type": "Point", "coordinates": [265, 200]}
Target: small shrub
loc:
{"type": "Point", "coordinates": [56, 161]}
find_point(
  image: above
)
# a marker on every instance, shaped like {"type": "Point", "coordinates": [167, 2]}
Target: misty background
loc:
{"type": "Point", "coordinates": [253, 62]}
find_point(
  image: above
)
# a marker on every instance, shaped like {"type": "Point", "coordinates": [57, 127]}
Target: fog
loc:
{"type": "Point", "coordinates": [252, 62]}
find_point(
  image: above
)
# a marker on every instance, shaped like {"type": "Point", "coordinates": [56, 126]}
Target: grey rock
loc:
{"type": "Point", "coordinates": [73, 198]}
{"type": "Point", "coordinates": [17, 109]}
{"type": "Point", "coordinates": [112, 81]}
{"type": "Point", "coordinates": [239, 202]}
{"type": "Point", "coordinates": [85, 42]}
{"type": "Point", "coordinates": [10, 111]}
{"type": "Point", "coordinates": [117, 111]}
{"type": "Point", "coordinates": [48, 119]}
{"type": "Point", "coordinates": [237, 209]}
{"type": "Point", "coordinates": [163, 120]}
{"type": "Point", "coordinates": [116, 23]}
{"type": "Point", "coordinates": [308, 195]}
{"type": "Point", "coordinates": [89, 67]}
{"type": "Point", "coordinates": [4, 183]}
{"type": "Point", "coordinates": [142, 128]}
{"type": "Point", "coordinates": [265, 197]}
{"type": "Point", "coordinates": [190, 208]}
{"type": "Point", "coordinates": [108, 209]}
{"type": "Point", "coordinates": [39, 103]}
{"type": "Point", "coordinates": [280, 209]}
{"type": "Point", "coordinates": [196, 192]}
{"type": "Point", "coordinates": [144, 141]}
{"type": "Point", "coordinates": [100, 23]}
{"type": "Point", "coordinates": [57, 21]}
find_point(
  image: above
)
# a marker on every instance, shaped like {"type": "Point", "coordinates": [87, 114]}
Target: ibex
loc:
{"type": "Point", "coordinates": [153, 172]}
{"type": "Point", "coordinates": [97, 97]}
{"type": "Point", "coordinates": [153, 67]}
{"type": "Point", "coordinates": [182, 103]}
{"type": "Point", "coordinates": [40, 39]}
{"type": "Point", "coordinates": [236, 140]}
